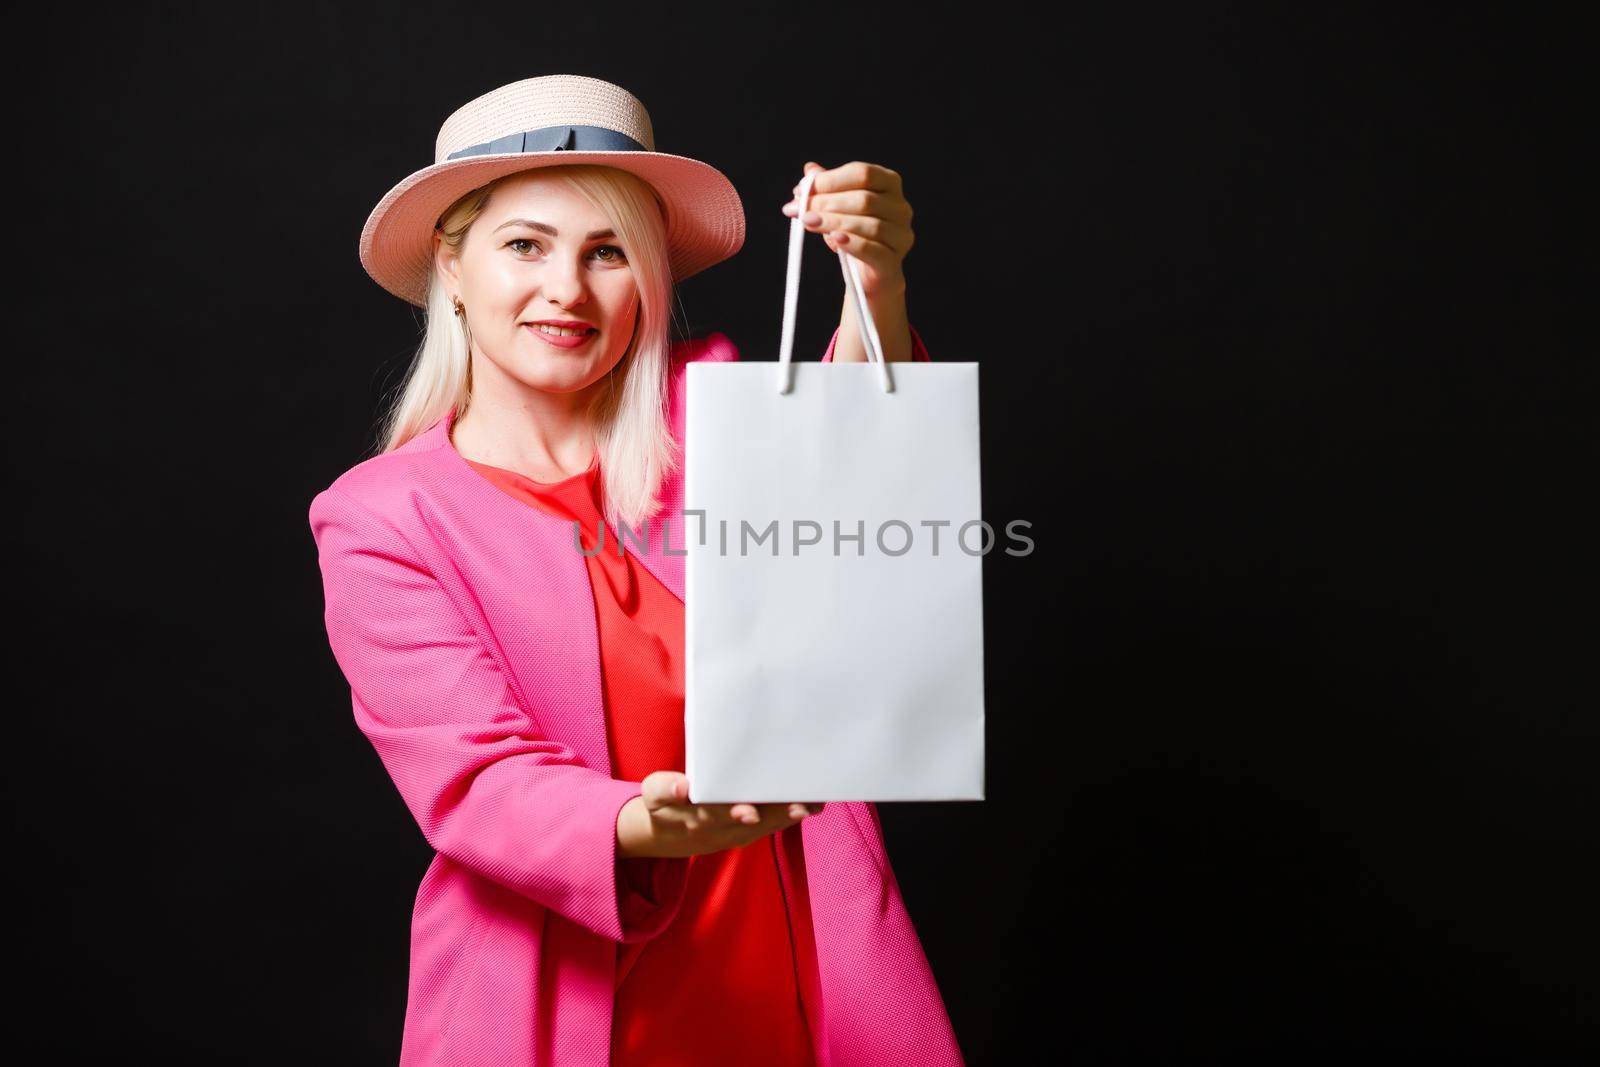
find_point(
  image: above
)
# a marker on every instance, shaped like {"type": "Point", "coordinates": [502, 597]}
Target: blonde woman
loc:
{"type": "Point", "coordinates": [526, 697]}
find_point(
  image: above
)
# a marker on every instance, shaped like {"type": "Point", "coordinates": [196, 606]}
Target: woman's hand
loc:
{"type": "Point", "coordinates": [860, 209]}
{"type": "Point", "coordinates": [662, 822]}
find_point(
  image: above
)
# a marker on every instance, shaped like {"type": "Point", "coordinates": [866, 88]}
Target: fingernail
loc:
{"type": "Point", "coordinates": [796, 811]}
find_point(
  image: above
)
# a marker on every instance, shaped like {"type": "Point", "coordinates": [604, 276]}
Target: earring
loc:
{"type": "Point", "coordinates": [461, 309]}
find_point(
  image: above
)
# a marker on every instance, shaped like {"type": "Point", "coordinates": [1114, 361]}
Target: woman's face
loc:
{"type": "Point", "coordinates": [540, 253]}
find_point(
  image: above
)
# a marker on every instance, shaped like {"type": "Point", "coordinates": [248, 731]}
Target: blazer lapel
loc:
{"type": "Point", "coordinates": [545, 632]}
{"type": "Point", "coordinates": [530, 587]}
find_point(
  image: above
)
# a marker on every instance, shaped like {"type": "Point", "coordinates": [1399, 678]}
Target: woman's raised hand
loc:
{"type": "Point", "coordinates": [860, 208]}
{"type": "Point", "coordinates": [662, 821]}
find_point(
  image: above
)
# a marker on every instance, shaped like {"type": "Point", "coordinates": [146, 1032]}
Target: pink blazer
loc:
{"type": "Point", "coordinates": [465, 625]}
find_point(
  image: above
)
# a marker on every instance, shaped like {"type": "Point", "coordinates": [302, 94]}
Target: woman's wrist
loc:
{"type": "Point", "coordinates": [633, 831]}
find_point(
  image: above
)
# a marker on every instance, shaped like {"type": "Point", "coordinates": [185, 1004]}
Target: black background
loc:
{"type": "Point", "coordinates": [1293, 742]}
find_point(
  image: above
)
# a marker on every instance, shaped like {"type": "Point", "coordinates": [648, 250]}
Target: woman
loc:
{"type": "Point", "coordinates": [526, 697]}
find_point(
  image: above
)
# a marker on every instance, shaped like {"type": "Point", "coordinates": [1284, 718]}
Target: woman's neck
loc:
{"type": "Point", "coordinates": [547, 442]}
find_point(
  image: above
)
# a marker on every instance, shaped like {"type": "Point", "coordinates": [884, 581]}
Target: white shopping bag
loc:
{"type": "Point", "coordinates": [834, 586]}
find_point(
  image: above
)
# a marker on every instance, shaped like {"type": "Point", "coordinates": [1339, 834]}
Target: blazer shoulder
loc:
{"type": "Point", "coordinates": [384, 486]}
{"type": "Point", "coordinates": [714, 347]}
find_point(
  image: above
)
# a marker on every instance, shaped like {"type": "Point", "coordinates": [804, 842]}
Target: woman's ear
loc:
{"type": "Point", "coordinates": [447, 262]}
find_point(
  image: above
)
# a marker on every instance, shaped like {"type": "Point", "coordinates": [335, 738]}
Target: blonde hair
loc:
{"type": "Point", "coordinates": [628, 415]}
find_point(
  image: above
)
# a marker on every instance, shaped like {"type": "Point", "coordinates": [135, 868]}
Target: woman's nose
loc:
{"type": "Point", "coordinates": [565, 285]}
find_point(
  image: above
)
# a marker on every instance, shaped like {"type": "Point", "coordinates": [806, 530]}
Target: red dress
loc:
{"type": "Point", "coordinates": [722, 984]}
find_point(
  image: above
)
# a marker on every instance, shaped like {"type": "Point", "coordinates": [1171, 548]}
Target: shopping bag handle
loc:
{"type": "Point", "coordinates": [791, 298]}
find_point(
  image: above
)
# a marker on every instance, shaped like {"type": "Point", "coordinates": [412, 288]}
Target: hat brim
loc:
{"type": "Point", "coordinates": [704, 216]}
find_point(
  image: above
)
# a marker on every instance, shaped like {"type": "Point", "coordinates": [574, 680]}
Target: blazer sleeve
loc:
{"type": "Point", "coordinates": [487, 789]}
{"type": "Point", "coordinates": [919, 351]}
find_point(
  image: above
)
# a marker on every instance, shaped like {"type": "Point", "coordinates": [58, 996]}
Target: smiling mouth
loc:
{"type": "Point", "coordinates": [560, 339]}
{"type": "Point", "coordinates": [561, 331]}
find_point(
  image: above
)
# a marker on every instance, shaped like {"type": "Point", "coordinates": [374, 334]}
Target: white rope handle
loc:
{"type": "Point", "coordinates": [791, 298]}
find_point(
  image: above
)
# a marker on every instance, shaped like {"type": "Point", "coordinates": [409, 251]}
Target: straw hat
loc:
{"type": "Point", "coordinates": [546, 122]}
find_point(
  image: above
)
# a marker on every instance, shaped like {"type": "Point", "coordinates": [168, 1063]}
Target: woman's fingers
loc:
{"type": "Point", "coordinates": [854, 175]}
{"type": "Point", "coordinates": [795, 811]}
{"type": "Point", "coordinates": [751, 814]}
{"type": "Point", "coordinates": [856, 202]}
{"type": "Point", "coordinates": [870, 238]}
{"type": "Point", "coordinates": [875, 254]}
{"type": "Point", "coordinates": [671, 788]}
{"type": "Point", "coordinates": [863, 228]}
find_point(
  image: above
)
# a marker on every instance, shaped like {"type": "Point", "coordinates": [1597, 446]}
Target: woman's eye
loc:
{"type": "Point", "coordinates": [616, 256]}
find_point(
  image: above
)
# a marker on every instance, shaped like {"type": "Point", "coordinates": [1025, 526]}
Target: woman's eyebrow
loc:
{"type": "Point", "coordinates": [594, 235]}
